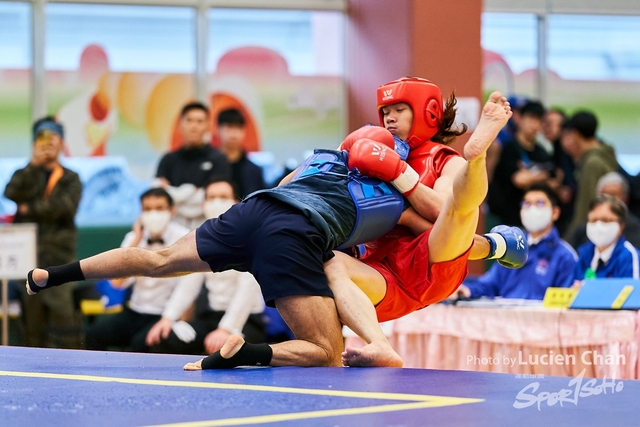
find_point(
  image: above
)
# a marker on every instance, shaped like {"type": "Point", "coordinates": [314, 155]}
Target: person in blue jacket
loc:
{"type": "Point", "coordinates": [551, 260]}
{"type": "Point", "coordinates": [607, 254]}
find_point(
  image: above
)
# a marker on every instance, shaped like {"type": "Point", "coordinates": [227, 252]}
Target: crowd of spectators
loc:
{"type": "Point", "coordinates": [549, 174]}
{"type": "Point", "coordinates": [580, 226]}
{"type": "Point", "coordinates": [189, 314]}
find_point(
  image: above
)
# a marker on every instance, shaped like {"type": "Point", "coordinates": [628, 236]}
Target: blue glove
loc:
{"type": "Point", "coordinates": [508, 245]}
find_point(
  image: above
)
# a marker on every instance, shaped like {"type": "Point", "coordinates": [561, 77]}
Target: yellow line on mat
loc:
{"type": "Point", "coordinates": [262, 419]}
{"type": "Point", "coordinates": [420, 400]}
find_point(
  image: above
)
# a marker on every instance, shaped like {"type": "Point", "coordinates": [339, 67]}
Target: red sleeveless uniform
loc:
{"type": "Point", "coordinates": [403, 259]}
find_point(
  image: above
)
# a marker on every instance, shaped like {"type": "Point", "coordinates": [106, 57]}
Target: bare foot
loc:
{"type": "Point", "coordinates": [193, 366]}
{"type": "Point", "coordinates": [39, 277]}
{"type": "Point", "coordinates": [372, 355]}
{"type": "Point", "coordinates": [231, 346]}
{"type": "Point", "coordinates": [495, 115]}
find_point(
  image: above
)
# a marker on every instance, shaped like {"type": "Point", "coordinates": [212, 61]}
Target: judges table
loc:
{"type": "Point", "coordinates": [521, 340]}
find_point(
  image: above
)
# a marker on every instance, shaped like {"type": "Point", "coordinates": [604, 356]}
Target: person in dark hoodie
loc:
{"type": "Point", "coordinates": [592, 158]}
{"type": "Point", "coordinates": [183, 173]}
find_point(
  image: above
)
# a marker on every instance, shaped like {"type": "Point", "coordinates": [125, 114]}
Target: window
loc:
{"type": "Point", "coordinates": [284, 70]}
{"type": "Point", "coordinates": [15, 68]}
{"type": "Point", "coordinates": [594, 64]}
{"type": "Point", "coordinates": [118, 77]}
{"type": "Point", "coordinates": [509, 43]}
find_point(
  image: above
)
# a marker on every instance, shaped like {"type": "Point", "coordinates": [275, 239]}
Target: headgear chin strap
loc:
{"type": "Point", "coordinates": [424, 98]}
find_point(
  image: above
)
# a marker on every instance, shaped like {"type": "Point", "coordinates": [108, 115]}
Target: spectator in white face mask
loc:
{"type": "Point", "coordinates": [154, 230]}
{"type": "Point", "coordinates": [607, 254]}
{"type": "Point", "coordinates": [551, 260]}
{"type": "Point", "coordinates": [234, 301]}
{"type": "Point", "coordinates": [615, 185]}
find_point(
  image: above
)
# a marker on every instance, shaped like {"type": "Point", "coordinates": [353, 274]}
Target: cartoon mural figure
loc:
{"type": "Point", "coordinates": [90, 118]}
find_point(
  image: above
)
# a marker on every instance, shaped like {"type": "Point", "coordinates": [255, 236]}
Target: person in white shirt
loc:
{"type": "Point", "coordinates": [154, 229]}
{"type": "Point", "coordinates": [235, 303]}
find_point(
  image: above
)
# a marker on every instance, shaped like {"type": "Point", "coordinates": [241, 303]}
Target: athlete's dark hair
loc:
{"type": "Point", "coordinates": [447, 134]}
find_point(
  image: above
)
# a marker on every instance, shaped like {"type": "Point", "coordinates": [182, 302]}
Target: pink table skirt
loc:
{"type": "Point", "coordinates": [521, 340]}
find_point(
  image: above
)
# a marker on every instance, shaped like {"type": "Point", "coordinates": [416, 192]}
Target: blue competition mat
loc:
{"type": "Point", "coordinates": [46, 387]}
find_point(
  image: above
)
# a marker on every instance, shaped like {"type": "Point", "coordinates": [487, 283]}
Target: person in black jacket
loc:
{"type": "Point", "coordinates": [184, 172]}
{"type": "Point", "coordinates": [48, 194]}
{"type": "Point", "coordinates": [246, 176]}
{"type": "Point", "coordinates": [523, 162]}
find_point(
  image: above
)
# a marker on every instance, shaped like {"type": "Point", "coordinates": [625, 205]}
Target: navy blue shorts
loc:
{"type": "Point", "coordinates": [274, 241]}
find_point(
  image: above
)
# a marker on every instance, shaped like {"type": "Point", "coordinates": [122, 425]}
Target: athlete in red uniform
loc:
{"type": "Point", "coordinates": [399, 271]}
{"type": "Point", "coordinates": [401, 256]}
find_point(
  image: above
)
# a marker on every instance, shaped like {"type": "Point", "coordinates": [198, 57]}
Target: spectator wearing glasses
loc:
{"type": "Point", "coordinates": [551, 260]}
{"type": "Point", "coordinates": [615, 185]}
{"type": "Point", "coordinates": [607, 254]}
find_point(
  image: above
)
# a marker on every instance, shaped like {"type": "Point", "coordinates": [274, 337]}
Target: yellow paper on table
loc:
{"type": "Point", "coordinates": [622, 297]}
{"type": "Point", "coordinates": [559, 297]}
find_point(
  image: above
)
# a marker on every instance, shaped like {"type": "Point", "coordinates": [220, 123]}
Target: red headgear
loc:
{"type": "Point", "coordinates": [424, 98]}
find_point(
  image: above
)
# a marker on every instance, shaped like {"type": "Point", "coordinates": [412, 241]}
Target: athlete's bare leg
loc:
{"type": "Point", "coordinates": [317, 343]}
{"type": "Point", "coordinates": [355, 309]}
{"type": "Point", "coordinates": [454, 230]}
{"type": "Point", "coordinates": [459, 216]}
{"type": "Point", "coordinates": [178, 259]}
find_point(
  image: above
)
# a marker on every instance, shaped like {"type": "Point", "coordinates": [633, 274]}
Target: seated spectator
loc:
{"type": "Point", "coordinates": [153, 230]}
{"type": "Point", "coordinates": [246, 176]}
{"type": "Point", "coordinates": [184, 172]}
{"type": "Point", "coordinates": [607, 254]}
{"type": "Point", "coordinates": [617, 186]}
{"type": "Point", "coordinates": [551, 260]}
{"type": "Point", "coordinates": [523, 162]}
{"type": "Point", "coordinates": [592, 158]}
{"type": "Point", "coordinates": [235, 303]}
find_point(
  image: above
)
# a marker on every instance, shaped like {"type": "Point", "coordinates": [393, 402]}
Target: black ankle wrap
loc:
{"type": "Point", "coordinates": [58, 275]}
{"type": "Point", "coordinates": [248, 355]}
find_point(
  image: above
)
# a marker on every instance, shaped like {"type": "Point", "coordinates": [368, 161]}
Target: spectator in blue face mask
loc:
{"type": "Point", "coordinates": [551, 260]}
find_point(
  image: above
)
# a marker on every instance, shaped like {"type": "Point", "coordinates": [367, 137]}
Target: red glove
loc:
{"type": "Point", "coordinates": [375, 133]}
{"type": "Point", "coordinates": [379, 161]}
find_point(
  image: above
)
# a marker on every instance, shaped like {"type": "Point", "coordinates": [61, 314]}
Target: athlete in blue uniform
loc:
{"type": "Point", "coordinates": [282, 236]}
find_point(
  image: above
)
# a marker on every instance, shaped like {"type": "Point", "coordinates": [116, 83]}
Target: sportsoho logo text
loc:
{"type": "Point", "coordinates": [576, 389]}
